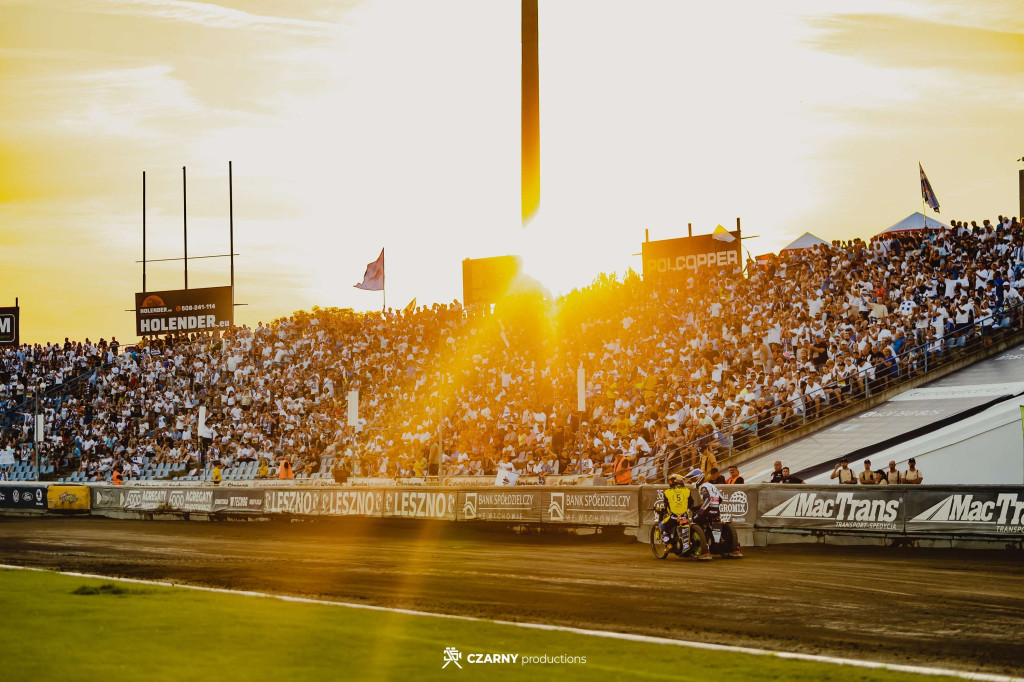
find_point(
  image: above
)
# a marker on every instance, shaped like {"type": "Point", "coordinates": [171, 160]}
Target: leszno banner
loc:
{"type": "Point", "coordinates": [802, 507]}
{"type": "Point", "coordinates": [608, 507]}
{"type": "Point", "coordinates": [183, 310]}
{"type": "Point", "coordinates": [985, 510]}
{"type": "Point", "coordinates": [357, 502]}
{"type": "Point", "coordinates": [421, 504]}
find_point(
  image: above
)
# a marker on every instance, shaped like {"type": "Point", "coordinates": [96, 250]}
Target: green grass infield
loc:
{"type": "Point", "coordinates": [64, 627]}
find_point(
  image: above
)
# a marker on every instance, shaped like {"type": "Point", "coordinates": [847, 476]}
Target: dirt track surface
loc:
{"type": "Point", "coordinates": [950, 608]}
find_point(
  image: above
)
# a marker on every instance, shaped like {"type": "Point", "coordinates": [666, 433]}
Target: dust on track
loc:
{"type": "Point", "coordinates": [952, 608]}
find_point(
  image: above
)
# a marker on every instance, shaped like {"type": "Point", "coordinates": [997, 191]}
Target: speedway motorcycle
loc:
{"type": "Point", "coordinates": [685, 540]}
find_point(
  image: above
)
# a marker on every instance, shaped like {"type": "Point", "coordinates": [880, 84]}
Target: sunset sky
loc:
{"type": "Point", "coordinates": [360, 124]}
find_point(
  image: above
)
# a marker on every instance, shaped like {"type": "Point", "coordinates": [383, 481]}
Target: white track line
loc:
{"type": "Point", "coordinates": [646, 639]}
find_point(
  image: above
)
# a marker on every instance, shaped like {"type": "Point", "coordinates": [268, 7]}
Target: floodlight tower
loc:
{"type": "Point", "coordinates": [530, 114]}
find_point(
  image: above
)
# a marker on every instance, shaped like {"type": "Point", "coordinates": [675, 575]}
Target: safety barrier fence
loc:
{"type": "Point", "coordinates": [982, 510]}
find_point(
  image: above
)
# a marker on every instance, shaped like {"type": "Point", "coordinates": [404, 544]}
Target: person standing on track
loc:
{"type": "Point", "coordinates": [777, 473]}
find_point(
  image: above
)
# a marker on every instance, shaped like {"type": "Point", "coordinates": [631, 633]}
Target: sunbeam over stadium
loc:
{"type": "Point", "coordinates": [291, 389]}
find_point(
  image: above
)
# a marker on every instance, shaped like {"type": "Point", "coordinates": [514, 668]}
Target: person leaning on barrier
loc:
{"type": "Point", "coordinates": [867, 477]}
{"type": "Point", "coordinates": [216, 477]}
{"type": "Point", "coordinates": [776, 473]}
{"type": "Point", "coordinates": [892, 476]}
{"type": "Point", "coordinates": [264, 469]}
{"type": "Point", "coordinates": [844, 473]}
{"type": "Point", "coordinates": [715, 477]}
{"type": "Point", "coordinates": [912, 476]}
{"type": "Point", "coordinates": [734, 476]}
{"type": "Point", "coordinates": [789, 478]}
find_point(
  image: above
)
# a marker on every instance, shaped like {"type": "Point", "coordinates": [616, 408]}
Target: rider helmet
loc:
{"type": "Point", "coordinates": [695, 477]}
{"type": "Point", "coordinates": [676, 480]}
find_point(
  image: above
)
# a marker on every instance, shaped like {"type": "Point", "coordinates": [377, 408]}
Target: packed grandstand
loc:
{"type": "Point", "coordinates": [716, 362]}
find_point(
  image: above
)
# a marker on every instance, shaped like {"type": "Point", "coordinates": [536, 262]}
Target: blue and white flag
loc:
{"type": "Point", "coordinates": [373, 279]}
{"type": "Point", "coordinates": [927, 193]}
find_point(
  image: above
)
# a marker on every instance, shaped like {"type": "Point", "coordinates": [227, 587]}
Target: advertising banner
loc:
{"type": "Point", "coordinates": [169, 499]}
{"type": "Point", "coordinates": [67, 497]}
{"type": "Point", "coordinates": [594, 507]}
{"type": "Point", "coordinates": [10, 327]}
{"type": "Point", "coordinates": [108, 496]}
{"type": "Point", "coordinates": [738, 505]}
{"type": "Point", "coordinates": [690, 256]}
{"type": "Point", "coordinates": [234, 500]}
{"type": "Point", "coordinates": [801, 507]}
{"type": "Point", "coordinates": [23, 496]}
{"type": "Point", "coordinates": [183, 310]}
{"type": "Point", "coordinates": [986, 510]}
{"type": "Point", "coordinates": [421, 503]}
{"type": "Point", "coordinates": [514, 504]}
{"type": "Point", "coordinates": [324, 501]}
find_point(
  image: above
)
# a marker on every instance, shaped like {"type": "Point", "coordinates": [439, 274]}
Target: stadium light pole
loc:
{"type": "Point", "coordinates": [530, 113]}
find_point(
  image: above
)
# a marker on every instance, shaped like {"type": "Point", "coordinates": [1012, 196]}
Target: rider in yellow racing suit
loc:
{"type": "Point", "coordinates": [679, 500]}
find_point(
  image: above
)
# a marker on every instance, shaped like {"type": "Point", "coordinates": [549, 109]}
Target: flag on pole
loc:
{"type": "Point", "coordinates": [927, 193]}
{"type": "Point", "coordinates": [411, 308]}
{"type": "Point", "coordinates": [373, 279]}
{"type": "Point", "coordinates": [722, 235]}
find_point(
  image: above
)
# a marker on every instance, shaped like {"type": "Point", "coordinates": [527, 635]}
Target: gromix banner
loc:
{"type": "Point", "coordinates": [183, 310]}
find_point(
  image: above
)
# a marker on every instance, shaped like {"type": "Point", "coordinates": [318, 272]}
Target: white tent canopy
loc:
{"type": "Point", "coordinates": [806, 241]}
{"type": "Point", "coordinates": [916, 221]}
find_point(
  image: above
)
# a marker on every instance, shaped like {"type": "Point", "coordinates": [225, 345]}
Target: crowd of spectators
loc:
{"type": "Point", "coordinates": [678, 372]}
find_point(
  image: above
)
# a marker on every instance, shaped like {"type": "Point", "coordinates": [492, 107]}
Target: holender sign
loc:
{"type": "Point", "coordinates": [183, 310]}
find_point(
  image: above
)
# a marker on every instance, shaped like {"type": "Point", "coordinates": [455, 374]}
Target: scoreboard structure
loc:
{"type": "Point", "coordinates": [487, 280]}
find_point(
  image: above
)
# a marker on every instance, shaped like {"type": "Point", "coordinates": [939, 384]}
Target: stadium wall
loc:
{"type": "Point", "coordinates": [762, 514]}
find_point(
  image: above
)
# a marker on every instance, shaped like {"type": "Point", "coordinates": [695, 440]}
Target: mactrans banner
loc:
{"type": "Point", "coordinates": [879, 509]}
{"type": "Point", "coordinates": [982, 510]}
